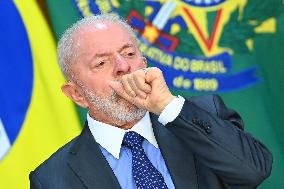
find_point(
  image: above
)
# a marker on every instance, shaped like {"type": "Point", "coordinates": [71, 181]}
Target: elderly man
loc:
{"type": "Point", "coordinates": [137, 134]}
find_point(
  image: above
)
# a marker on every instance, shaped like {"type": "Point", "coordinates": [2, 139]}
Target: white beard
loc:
{"type": "Point", "coordinates": [114, 107]}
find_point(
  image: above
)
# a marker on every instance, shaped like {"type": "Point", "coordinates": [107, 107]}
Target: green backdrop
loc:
{"type": "Point", "coordinates": [260, 103]}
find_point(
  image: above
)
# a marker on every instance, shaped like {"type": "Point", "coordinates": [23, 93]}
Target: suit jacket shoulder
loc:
{"type": "Point", "coordinates": [47, 172]}
{"type": "Point", "coordinates": [214, 133]}
{"type": "Point", "coordinates": [78, 164]}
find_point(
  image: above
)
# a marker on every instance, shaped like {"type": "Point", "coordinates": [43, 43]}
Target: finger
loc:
{"type": "Point", "coordinates": [141, 83]}
{"type": "Point", "coordinates": [134, 87]}
{"type": "Point", "coordinates": [119, 89]}
{"type": "Point", "coordinates": [152, 74]}
{"type": "Point", "coordinates": [126, 86]}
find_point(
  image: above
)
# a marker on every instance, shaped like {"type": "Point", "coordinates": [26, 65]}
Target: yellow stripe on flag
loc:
{"type": "Point", "coordinates": [51, 120]}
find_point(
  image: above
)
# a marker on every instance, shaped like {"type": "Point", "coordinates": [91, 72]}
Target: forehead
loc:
{"type": "Point", "coordinates": [103, 36]}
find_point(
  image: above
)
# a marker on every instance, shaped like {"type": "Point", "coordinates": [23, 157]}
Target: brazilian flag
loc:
{"type": "Point", "coordinates": [35, 118]}
{"type": "Point", "coordinates": [229, 47]}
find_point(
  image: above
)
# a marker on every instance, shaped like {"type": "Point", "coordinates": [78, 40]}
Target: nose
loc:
{"type": "Point", "coordinates": [121, 66]}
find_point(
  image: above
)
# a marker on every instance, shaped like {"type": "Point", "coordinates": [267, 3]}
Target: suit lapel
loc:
{"type": "Point", "coordinates": [90, 165]}
{"type": "Point", "coordinates": [92, 168]}
{"type": "Point", "coordinates": [180, 161]}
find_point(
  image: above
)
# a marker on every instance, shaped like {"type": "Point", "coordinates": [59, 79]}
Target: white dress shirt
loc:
{"type": "Point", "coordinates": [120, 158]}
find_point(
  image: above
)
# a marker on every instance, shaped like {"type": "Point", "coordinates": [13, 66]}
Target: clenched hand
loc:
{"type": "Point", "coordinates": [146, 88]}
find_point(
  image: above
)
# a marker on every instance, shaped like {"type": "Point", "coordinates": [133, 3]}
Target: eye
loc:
{"type": "Point", "coordinates": [100, 64]}
{"type": "Point", "coordinates": [131, 54]}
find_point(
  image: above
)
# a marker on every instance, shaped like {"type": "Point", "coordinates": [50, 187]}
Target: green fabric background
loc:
{"type": "Point", "coordinates": [261, 106]}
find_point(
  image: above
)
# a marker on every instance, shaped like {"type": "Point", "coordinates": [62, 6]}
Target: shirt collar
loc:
{"type": "Point", "coordinates": [110, 137]}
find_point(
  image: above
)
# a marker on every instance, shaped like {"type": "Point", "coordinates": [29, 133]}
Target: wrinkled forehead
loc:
{"type": "Point", "coordinates": [101, 30]}
{"type": "Point", "coordinates": [99, 37]}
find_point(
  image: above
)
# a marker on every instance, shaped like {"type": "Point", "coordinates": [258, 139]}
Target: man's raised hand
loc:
{"type": "Point", "coordinates": [146, 88]}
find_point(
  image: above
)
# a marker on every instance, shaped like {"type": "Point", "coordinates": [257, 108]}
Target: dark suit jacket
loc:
{"type": "Point", "coordinates": [204, 147]}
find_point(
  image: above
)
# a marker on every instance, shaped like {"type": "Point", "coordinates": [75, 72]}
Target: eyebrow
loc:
{"type": "Point", "coordinates": [128, 45]}
{"type": "Point", "coordinates": [99, 55]}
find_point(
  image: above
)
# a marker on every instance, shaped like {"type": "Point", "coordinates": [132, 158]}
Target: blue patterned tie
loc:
{"type": "Point", "coordinates": [145, 175]}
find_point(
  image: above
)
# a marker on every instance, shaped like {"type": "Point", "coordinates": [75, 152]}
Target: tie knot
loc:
{"type": "Point", "coordinates": [131, 139]}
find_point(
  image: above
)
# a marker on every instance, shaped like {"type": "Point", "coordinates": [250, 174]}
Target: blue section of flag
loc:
{"type": "Point", "coordinates": [165, 41]}
{"type": "Point", "coordinates": [226, 81]}
{"type": "Point", "coordinates": [176, 20]}
{"type": "Point", "coordinates": [94, 8]}
{"type": "Point", "coordinates": [203, 3]}
{"type": "Point", "coordinates": [91, 4]}
{"type": "Point", "coordinates": [16, 71]}
{"type": "Point", "coordinates": [224, 57]}
{"type": "Point", "coordinates": [155, 5]}
{"type": "Point", "coordinates": [136, 23]}
{"type": "Point", "coordinates": [242, 79]}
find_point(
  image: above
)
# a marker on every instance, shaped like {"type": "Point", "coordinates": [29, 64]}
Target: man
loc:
{"type": "Point", "coordinates": [137, 134]}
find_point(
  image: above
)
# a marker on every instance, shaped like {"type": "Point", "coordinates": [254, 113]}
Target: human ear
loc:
{"type": "Point", "coordinates": [144, 61]}
{"type": "Point", "coordinates": [71, 91]}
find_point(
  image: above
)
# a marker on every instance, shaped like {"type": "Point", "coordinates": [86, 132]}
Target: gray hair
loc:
{"type": "Point", "coordinates": [66, 45]}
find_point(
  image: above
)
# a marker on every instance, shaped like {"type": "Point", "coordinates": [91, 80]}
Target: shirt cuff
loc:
{"type": "Point", "coordinates": [172, 110]}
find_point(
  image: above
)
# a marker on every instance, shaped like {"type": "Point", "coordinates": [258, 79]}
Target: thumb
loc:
{"type": "Point", "coordinates": [152, 74]}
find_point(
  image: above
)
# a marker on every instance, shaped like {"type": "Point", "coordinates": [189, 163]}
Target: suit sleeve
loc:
{"type": "Point", "coordinates": [215, 135]}
{"type": "Point", "coordinates": [34, 181]}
